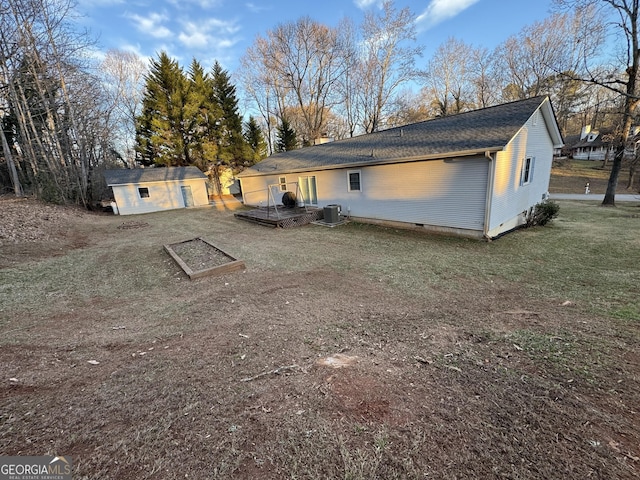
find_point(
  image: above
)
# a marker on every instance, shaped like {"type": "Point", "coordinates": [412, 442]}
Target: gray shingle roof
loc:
{"type": "Point", "coordinates": [487, 129]}
{"type": "Point", "coordinates": [158, 174]}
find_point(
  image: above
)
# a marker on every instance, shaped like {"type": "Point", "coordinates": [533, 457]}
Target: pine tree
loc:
{"type": "Point", "coordinates": [286, 137]}
{"type": "Point", "coordinates": [233, 149]}
{"type": "Point", "coordinates": [163, 130]}
{"type": "Point", "coordinates": [254, 137]}
{"type": "Point", "coordinates": [204, 114]}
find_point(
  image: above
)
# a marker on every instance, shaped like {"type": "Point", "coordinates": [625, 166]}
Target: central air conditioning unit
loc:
{"type": "Point", "coordinates": [332, 213]}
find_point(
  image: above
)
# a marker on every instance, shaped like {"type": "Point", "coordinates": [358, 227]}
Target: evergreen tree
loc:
{"type": "Point", "coordinates": [204, 114]}
{"type": "Point", "coordinates": [255, 139]}
{"type": "Point", "coordinates": [144, 148]}
{"type": "Point", "coordinates": [163, 129]}
{"type": "Point", "coordinates": [233, 149]}
{"type": "Point", "coordinates": [286, 137]}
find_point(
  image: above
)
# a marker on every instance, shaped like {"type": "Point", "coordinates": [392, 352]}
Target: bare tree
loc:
{"type": "Point", "coordinates": [123, 82]}
{"type": "Point", "coordinates": [484, 78]}
{"type": "Point", "coordinates": [410, 107]}
{"type": "Point", "coordinates": [304, 62]}
{"type": "Point", "coordinates": [621, 76]}
{"type": "Point", "coordinates": [8, 49]}
{"type": "Point", "coordinates": [448, 77]}
{"type": "Point", "coordinates": [387, 61]}
{"type": "Point", "coordinates": [261, 90]}
{"type": "Point", "coordinates": [45, 80]}
{"type": "Point", "coordinates": [348, 84]}
{"type": "Point", "coordinates": [539, 51]}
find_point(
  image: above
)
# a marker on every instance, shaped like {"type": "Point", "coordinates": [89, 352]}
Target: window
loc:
{"type": "Point", "coordinates": [526, 176]}
{"type": "Point", "coordinates": [353, 179]}
{"type": "Point", "coordinates": [143, 192]}
{"type": "Point", "coordinates": [283, 184]}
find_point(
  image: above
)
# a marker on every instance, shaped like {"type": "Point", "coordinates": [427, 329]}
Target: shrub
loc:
{"type": "Point", "coordinates": [542, 213]}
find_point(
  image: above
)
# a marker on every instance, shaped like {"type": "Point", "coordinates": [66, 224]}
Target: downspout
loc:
{"type": "Point", "coordinates": [489, 198]}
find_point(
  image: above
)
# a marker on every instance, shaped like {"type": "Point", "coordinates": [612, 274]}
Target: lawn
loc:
{"type": "Point", "coordinates": [354, 352]}
{"type": "Point", "coordinates": [571, 176]}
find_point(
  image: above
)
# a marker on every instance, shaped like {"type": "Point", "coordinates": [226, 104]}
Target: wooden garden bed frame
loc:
{"type": "Point", "coordinates": [233, 265]}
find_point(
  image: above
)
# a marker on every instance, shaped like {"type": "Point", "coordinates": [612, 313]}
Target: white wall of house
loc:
{"type": "Point", "coordinates": [132, 198]}
{"type": "Point", "coordinates": [512, 195]}
{"type": "Point", "coordinates": [445, 193]}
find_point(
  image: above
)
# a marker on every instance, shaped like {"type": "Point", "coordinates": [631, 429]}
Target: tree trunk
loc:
{"type": "Point", "coordinates": [17, 186]}
{"type": "Point", "coordinates": [610, 195]}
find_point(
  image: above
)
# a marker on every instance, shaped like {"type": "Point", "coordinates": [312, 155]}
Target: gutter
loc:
{"type": "Point", "coordinates": [489, 199]}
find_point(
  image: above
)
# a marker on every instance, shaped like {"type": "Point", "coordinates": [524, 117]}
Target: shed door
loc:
{"type": "Point", "coordinates": [187, 196]}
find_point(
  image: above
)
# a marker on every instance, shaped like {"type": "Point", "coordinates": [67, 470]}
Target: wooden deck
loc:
{"type": "Point", "coordinates": [283, 217]}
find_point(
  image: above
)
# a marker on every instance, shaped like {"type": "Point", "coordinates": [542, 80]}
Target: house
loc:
{"type": "Point", "coordinates": [145, 190]}
{"type": "Point", "coordinates": [592, 145]}
{"type": "Point", "coordinates": [475, 174]}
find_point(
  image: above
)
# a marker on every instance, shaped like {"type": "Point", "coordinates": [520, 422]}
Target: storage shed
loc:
{"type": "Point", "coordinates": [475, 174]}
{"type": "Point", "coordinates": [145, 190]}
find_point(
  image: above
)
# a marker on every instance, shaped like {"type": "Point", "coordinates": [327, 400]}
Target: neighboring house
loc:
{"type": "Point", "coordinates": [591, 146]}
{"type": "Point", "coordinates": [228, 184]}
{"type": "Point", "coordinates": [475, 173]}
{"type": "Point", "coordinates": [569, 141]}
{"type": "Point", "coordinates": [145, 190]}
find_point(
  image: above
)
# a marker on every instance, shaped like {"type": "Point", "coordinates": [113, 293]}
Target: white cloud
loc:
{"type": "Point", "coordinates": [99, 3]}
{"type": "Point", "coordinates": [254, 8]}
{"type": "Point", "coordinates": [440, 10]}
{"type": "Point", "coordinates": [194, 39]}
{"type": "Point", "coordinates": [151, 25]}
{"type": "Point", "coordinates": [205, 4]}
{"type": "Point", "coordinates": [227, 26]}
{"type": "Point", "coordinates": [205, 34]}
{"type": "Point", "coordinates": [364, 4]}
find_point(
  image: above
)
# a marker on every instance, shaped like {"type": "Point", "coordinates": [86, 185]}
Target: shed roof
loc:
{"type": "Point", "coordinates": [155, 174]}
{"type": "Point", "coordinates": [474, 132]}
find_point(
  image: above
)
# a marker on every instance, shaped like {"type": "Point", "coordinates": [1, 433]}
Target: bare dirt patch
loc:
{"type": "Point", "coordinates": [29, 220]}
{"type": "Point", "coordinates": [458, 359]}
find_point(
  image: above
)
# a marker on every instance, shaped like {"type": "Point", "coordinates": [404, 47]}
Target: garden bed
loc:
{"type": "Point", "coordinates": [200, 258]}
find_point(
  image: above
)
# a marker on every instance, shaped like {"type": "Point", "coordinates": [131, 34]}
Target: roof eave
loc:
{"type": "Point", "coordinates": [549, 115]}
{"type": "Point", "coordinates": [168, 180]}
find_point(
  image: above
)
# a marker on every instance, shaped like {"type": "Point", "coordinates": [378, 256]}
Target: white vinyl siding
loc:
{"type": "Point", "coordinates": [446, 193]}
{"type": "Point", "coordinates": [155, 196]}
{"type": "Point", "coordinates": [512, 195]}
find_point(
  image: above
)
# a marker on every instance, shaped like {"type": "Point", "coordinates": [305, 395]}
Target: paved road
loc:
{"type": "Point", "coordinates": [594, 197]}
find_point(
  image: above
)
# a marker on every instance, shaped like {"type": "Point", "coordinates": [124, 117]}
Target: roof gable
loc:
{"type": "Point", "coordinates": [478, 131]}
{"type": "Point", "coordinates": [154, 174]}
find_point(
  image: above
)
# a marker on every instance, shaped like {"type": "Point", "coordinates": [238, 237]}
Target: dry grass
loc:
{"type": "Point", "coordinates": [517, 358]}
{"type": "Point", "coordinates": [571, 176]}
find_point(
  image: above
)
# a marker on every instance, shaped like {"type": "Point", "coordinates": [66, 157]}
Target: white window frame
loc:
{"type": "Point", "coordinates": [283, 183]}
{"type": "Point", "coordinates": [148, 193]}
{"type": "Point", "coordinates": [349, 173]}
{"type": "Point", "coordinates": [526, 175]}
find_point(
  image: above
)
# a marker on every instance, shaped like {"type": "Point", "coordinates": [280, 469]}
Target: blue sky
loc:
{"type": "Point", "coordinates": [222, 30]}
